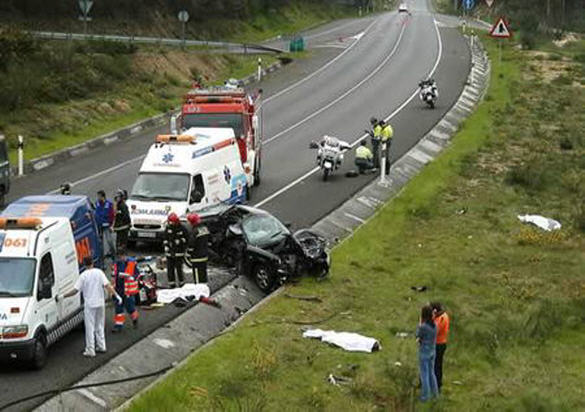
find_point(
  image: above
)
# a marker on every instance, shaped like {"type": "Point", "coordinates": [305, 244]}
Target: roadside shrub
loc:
{"type": "Point", "coordinates": [111, 48]}
{"type": "Point", "coordinates": [528, 40]}
{"type": "Point", "coordinates": [562, 80]}
{"type": "Point", "coordinates": [531, 175]}
{"type": "Point", "coordinates": [578, 216]}
{"type": "Point", "coordinates": [403, 384]}
{"type": "Point", "coordinates": [579, 57]}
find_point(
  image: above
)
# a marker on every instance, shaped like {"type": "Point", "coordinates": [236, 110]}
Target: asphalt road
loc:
{"type": "Point", "coordinates": [360, 68]}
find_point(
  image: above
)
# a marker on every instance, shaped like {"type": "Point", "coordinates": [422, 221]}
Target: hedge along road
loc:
{"type": "Point", "coordinates": [413, 46]}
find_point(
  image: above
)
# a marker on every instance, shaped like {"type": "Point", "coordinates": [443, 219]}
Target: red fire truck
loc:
{"type": "Point", "coordinates": [229, 108]}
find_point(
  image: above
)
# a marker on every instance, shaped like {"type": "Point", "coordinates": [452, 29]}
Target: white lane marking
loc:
{"type": "Point", "coordinates": [89, 395]}
{"type": "Point", "coordinates": [344, 95]}
{"type": "Point", "coordinates": [312, 36]}
{"type": "Point", "coordinates": [354, 217]}
{"type": "Point", "coordinates": [319, 70]}
{"type": "Point", "coordinates": [103, 172]}
{"type": "Point", "coordinates": [316, 169]}
{"type": "Point", "coordinates": [358, 36]}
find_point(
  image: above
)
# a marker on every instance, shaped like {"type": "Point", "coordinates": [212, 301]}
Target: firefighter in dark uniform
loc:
{"type": "Point", "coordinates": [175, 244]}
{"type": "Point", "coordinates": [197, 248]}
{"type": "Point", "coordinates": [121, 223]}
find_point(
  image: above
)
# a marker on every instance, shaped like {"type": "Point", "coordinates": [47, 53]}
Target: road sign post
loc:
{"type": "Point", "coordinates": [20, 155]}
{"type": "Point", "coordinates": [183, 18]}
{"type": "Point", "coordinates": [85, 7]}
{"type": "Point", "coordinates": [500, 30]}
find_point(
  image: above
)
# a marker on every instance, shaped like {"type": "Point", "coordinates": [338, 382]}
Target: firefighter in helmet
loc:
{"type": "Point", "coordinates": [197, 248]}
{"type": "Point", "coordinates": [175, 244]}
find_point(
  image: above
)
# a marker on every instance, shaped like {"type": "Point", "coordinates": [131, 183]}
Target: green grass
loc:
{"type": "Point", "coordinates": [515, 294]}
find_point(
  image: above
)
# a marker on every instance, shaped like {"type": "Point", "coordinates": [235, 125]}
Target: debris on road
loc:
{"type": "Point", "coordinates": [349, 341]}
{"type": "Point", "coordinates": [542, 222]}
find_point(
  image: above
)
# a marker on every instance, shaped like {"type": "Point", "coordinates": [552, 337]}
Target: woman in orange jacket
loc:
{"type": "Point", "coordinates": [441, 319]}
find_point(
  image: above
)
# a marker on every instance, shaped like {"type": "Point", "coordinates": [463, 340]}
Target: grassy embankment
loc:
{"type": "Point", "coordinates": [61, 94]}
{"type": "Point", "coordinates": [515, 293]}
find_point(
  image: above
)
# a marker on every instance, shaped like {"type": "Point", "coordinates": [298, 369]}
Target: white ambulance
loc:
{"type": "Point", "coordinates": [38, 261]}
{"type": "Point", "coordinates": [182, 174]}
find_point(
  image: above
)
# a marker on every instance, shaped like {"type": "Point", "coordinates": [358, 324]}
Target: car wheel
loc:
{"type": "Point", "coordinates": [325, 174]}
{"type": "Point", "coordinates": [264, 277]}
{"type": "Point", "coordinates": [39, 358]}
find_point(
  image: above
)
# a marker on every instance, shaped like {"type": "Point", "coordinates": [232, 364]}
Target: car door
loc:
{"type": "Point", "coordinates": [46, 310]}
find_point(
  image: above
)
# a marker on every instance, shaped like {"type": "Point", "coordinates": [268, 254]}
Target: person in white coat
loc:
{"type": "Point", "coordinates": [92, 284]}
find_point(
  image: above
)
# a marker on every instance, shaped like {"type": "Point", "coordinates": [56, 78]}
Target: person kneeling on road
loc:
{"type": "Point", "coordinates": [125, 275]}
{"type": "Point", "coordinates": [91, 284]}
{"type": "Point", "coordinates": [364, 158]}
{"type": "Point", "coordinates": [175, 244]}
{"type": "Point", "coordinates": [197, 248]}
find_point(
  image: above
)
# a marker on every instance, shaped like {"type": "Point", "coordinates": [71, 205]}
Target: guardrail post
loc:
{"type": "Point", "coordinates": [20, 155]}
{"type": "Point", "coordinates": [259, 68]}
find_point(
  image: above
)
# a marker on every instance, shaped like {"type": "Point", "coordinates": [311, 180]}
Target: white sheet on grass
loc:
{"type": "Point", "coordinates": [352, 342]}
{"type": "Point", "coordinates": [542, 222]}
{"type": "Point", "coordinates": [198, 290]}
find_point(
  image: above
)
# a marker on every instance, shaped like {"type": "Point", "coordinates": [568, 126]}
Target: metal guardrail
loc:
{"type": "Point", "coordinates": [152, 40]}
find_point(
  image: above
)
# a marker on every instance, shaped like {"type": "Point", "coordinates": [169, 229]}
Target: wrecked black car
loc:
{"type": "Point", "coordinates": [261, 246]}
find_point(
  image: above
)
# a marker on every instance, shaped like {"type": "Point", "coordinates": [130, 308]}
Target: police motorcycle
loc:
{"type": "Point", "coordinates": [429, 93]}
{"type": "Point", "coordinates": [329, 154]}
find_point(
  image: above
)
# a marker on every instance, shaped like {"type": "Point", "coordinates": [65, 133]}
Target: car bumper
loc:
{"type": "Point", "coordinates": [146, 235]}
{"type": "Point", "coordinates": [21, 350]}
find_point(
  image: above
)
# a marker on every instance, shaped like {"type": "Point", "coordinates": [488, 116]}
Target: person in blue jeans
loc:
{"type": "Point", "coordinates": [426, 334]}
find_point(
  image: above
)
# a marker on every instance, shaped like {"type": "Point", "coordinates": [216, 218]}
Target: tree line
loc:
{"type": "Point", "coordinates": [198, 9]}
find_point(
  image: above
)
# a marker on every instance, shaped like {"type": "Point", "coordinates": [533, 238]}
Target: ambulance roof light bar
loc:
{"type": "Point", "coordinates": [174, 138]}
{"type": "Point", "coordinates": [20, 223]}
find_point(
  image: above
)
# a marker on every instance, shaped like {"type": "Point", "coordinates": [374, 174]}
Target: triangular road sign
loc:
{"type": "Point", "coordinates": [489, 2]}
{"type": "Point", "coordinates": [501, 29]}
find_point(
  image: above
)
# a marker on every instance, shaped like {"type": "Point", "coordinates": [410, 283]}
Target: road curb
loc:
{"type": "Point", "coordinates": [48, 160]}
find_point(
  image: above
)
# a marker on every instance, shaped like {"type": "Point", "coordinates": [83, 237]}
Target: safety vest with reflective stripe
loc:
{"type": "Point", "coordinates": [377, 132]}
{"type": "Point", "coordinates": [130, 283]}
{"type": "Point", "coordinates": [387, 133]}
{"type": "Point", "coordinates": [363, 152]}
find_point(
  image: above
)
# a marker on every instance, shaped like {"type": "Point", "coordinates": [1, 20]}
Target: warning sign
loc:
{"type": "Point", "coordinates": [501, 29]}
{"type": "Point", "coordinates": [489, 2]}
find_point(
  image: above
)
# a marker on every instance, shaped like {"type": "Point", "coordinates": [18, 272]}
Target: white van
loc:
{"type": "Point", "coordinates": [182, 174]}
{"type": "Point", "coordinates": [38, 261]}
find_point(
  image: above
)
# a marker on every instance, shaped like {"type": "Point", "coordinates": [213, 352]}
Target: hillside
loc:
{"type": "Point", "coordinates": [217, 19]}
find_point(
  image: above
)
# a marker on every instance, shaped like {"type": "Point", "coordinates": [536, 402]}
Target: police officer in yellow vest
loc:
{"type": "Point", "coordinates": [386, 139]}
{"type": "Point", "coordinates": [364, 158]}
{"type": "Point", "coordinates": [376, 134]}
